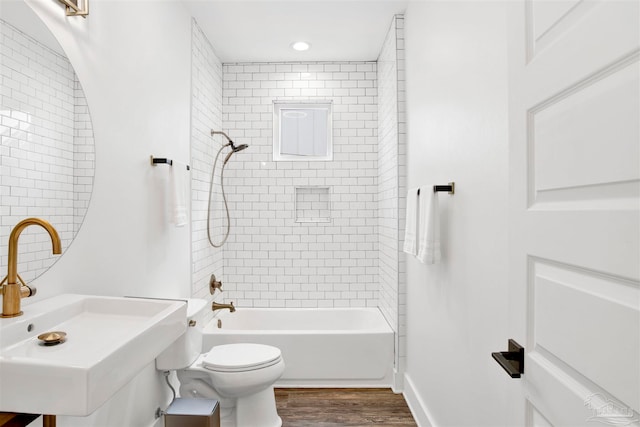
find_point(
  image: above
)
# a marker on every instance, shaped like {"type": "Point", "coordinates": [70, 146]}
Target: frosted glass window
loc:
{"type": "Point", "coordinates": [302, 131]}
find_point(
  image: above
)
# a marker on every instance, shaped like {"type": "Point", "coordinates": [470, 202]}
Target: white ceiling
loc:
{"type": "Point", "coordinates": [263, 30]}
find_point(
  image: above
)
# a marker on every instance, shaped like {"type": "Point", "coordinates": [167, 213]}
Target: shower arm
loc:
{"type": "Point", "coordinates": [217, 132]}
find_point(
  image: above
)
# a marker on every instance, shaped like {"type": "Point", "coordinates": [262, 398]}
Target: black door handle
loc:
{"type": "Point", "coordinates": [511, 361]}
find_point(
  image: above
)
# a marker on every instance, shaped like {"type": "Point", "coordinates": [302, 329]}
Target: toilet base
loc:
{"type": "Point", "coordinates": [255, 410]}
{"type": "Point", "coordinates": [258, 410]}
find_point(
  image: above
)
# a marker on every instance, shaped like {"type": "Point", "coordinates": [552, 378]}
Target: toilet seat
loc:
{"type": "Point", "coordinates": [241, 357]}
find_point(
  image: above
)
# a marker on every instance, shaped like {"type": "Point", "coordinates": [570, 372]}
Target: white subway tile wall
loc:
{"type": "Point", "coordinates": [43, 115]}
{"type": "Point", "coordinates": [392, 182]}
{"type": "Point", "coordinates": [388, 205]}
{"type": "Point", "coordinates": [206, 114]}
{"type": "Point", "coordinates": [270, 259]}
{"type": "Point", "coordinates": [401, 332]}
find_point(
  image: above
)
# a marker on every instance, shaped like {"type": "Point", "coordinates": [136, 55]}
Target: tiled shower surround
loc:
{"type": "Point", "coordinates": [206, 114]}
{"type": "Point", "coordinates": [47, 149]}
{"type": "Point", "coordinates": [392, 182]}
{"type": "Point", "coordinates": [281, 252]}
{"type": "Point", "coordinates": [270, 259]}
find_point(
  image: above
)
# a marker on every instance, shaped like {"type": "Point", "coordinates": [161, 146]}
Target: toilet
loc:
{"type": "Point", "coordinates": [239, 376]}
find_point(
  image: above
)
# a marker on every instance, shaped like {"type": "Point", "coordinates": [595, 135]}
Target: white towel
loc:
{"type": "Point", "coordinates": [429, 218]}
{"type": "Point", "coordinates": [411, 224]}
{"type": "Point", "coordinates": [179, 177]}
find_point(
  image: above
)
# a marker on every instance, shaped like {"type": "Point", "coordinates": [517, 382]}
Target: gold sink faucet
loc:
{"type": "Point", "coordinates": [12, 291]}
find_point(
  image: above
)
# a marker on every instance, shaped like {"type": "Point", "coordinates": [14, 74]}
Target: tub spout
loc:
{"type": "Point", "coordinates": [215, 306]}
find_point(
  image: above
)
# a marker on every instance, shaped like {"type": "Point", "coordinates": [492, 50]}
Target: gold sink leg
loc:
{"type": "Point", "coordinates": [48, 421]}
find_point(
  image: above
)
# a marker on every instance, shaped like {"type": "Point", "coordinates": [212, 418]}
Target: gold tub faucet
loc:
{"type": "Point", "coordinates": [215, 306]}
{"type": "Point", "coordinates": [12, 291]}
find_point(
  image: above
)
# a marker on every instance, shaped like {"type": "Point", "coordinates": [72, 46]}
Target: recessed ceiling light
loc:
{"type": "Point", "coordinates": [300, 46]}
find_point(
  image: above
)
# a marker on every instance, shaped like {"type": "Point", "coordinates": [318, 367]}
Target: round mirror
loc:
{"type": "Point", "coordinates": [46, 140]}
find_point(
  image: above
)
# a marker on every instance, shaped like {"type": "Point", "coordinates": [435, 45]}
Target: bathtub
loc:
{"type": "Point", "coordinates": [321, 347]}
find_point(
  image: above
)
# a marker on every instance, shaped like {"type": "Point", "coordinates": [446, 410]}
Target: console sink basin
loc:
{"type": "Point", "coordinates": [108, 341]}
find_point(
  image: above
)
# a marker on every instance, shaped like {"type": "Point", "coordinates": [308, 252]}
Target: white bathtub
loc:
{"type": "Point", "coordinates": [332, 347]}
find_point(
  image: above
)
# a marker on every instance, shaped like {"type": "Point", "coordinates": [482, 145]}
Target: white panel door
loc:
{"type": "Point", "coordinates": [575, 210]}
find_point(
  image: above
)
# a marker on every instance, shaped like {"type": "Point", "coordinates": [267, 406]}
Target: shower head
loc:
{"type": "Point", "coordinates": [234, 149]}
{"type": "Point", "coordinates": [239, 147]}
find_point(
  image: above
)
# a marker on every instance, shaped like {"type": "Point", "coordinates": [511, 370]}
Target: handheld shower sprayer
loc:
{"type": "Point", "coordinates": [234, 149]}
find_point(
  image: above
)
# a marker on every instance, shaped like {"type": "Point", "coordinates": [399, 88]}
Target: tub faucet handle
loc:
{"type": "Point", "coordinates": [214, 284]}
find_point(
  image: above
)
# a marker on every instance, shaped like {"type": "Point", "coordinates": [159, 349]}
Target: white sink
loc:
{"type": "Point", "coordinates": [109, 340]}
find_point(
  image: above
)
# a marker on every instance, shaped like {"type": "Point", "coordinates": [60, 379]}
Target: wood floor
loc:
{"type": "Point", "coordinates": [302, 407]}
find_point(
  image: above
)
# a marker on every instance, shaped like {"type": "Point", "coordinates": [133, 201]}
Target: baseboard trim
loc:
{"type": "Point", "coordinates": [398, 382]}
{"type": "Point", "coordinates": [416, 405]}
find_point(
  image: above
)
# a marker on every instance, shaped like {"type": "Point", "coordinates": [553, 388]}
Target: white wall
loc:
{"type": "Point", "coordinates": [457, 131]}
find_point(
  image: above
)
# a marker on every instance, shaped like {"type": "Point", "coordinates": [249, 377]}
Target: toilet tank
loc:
{"type": "Point", "coordinates": [184, 351]}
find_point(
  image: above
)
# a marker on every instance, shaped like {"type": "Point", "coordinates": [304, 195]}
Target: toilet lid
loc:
{"type": "Point", "coordinates": [240, 357]}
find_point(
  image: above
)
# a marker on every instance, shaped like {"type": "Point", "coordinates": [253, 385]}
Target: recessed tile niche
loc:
{"type": "Point", "coordinates": [313, 204]}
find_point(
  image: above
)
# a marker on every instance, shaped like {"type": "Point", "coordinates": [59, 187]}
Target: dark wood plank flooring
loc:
{"type": "Point", "coordinates": [301, 407]}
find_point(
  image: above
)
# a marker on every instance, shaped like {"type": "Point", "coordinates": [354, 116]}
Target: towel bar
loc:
{"type": "Point", "coordinates": [162, 160]}
{"type": "Point", "coordinates": [450, 188]}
